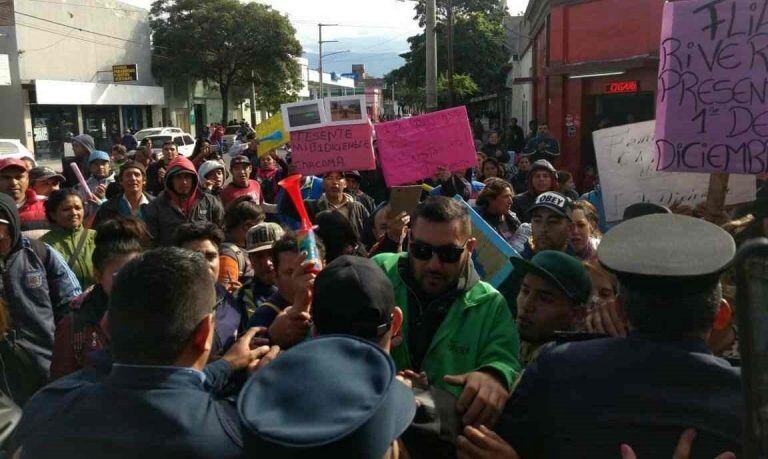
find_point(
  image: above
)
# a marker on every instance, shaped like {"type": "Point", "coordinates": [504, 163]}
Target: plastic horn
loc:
{"type": "Point", "coordinates": [305, 235]}
{"type": "Point", "coordinates": [276, 136]}
{"type": "Point", "coordinates": [291, 186]}
{"type": "Point", "coordinates": [80, 178]}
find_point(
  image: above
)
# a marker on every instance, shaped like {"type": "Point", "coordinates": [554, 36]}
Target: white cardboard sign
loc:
{"type": "Point", "coordinates": [626, 161]}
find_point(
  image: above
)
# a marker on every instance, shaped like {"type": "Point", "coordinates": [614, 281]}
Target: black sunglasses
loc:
{"type": "Point", "coordinates": [445, 253]}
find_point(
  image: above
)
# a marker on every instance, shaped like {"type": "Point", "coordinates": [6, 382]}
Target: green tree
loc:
{"type": "Point", "coordinates": [488, 8]}
{"type": "Point", "coordinates": [229, 44]}
{"type": "Point", "coordinates": [479, 49]}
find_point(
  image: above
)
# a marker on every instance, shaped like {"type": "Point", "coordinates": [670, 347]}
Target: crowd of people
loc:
{"type": "Point", "coordinates": [165, 307]}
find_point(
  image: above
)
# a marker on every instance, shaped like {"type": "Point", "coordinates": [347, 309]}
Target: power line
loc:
{"type": "Point", "coordinates": [87, 40]}
{"type": "Point", "coordinates": [80, 29]}
{"type": "Point", "coordinates": [49, 46]}
{"type": "Point", "coordinates": [114, 8]}
{"type": "Point", "coordinates": [368, 48]}
{"type": "Point", "coordinates": [364, 26]}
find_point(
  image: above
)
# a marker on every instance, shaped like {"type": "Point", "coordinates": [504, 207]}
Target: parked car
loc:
{"type": "Point", "coordinates": [230, 135]}
{"type": "Point", "coordinates": [157, 131]}
{"type": "Point", "coordinates": [13, 148]}
{"type": "Point", "coordinates": [184, 143]}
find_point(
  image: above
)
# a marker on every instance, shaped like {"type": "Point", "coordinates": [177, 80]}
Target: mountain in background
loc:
{"type": "Point", "coordinates": [376, 64]}
{"type": "Point", "coordinates": [380, 54]}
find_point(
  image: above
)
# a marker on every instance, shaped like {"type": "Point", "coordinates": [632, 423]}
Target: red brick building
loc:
{"type": "Point", "coordinates": [594, 64]}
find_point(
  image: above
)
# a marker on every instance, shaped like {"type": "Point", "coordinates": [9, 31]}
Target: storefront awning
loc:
{"type": "Point", "coordinates": [53, 92]}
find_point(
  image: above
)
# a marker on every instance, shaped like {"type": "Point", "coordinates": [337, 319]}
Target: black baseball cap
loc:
{"type": "Point", "coordinates": [556, 202]}
{"type": "Point", "coordinates": [353, 174]}
{"type": "Point", "coordinates": [644, 208]}
{"type": "Point", "coordinates": [353, 296]}
{"type": "Point", "coordinates": [239, 159]}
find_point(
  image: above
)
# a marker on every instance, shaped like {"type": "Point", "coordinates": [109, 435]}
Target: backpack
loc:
{"type": "Point", "coordinates": [232, 250]}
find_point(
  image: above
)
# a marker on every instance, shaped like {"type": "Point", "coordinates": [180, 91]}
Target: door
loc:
{"type": "Point", "coordinates": [182, 119]}
{"type": "Point", "coordinates": [102, 122]}
{"type": "Point", "coordinates": [199, 118]}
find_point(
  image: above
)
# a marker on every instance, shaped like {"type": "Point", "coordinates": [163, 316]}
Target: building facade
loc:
{"type": "Point", "coordinates": [64, 55]}
{"type": "Point", "coordinates": [333, 84]}
{"type": "Point", "coordinates": [594, 65]}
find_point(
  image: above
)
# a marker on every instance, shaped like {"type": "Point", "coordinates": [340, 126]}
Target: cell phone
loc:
{"type": "Point", "coordinates": [404, 199]}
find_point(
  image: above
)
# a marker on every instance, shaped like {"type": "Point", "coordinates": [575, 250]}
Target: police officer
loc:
{"type": "Point", "coordinates": [155, 402]}
{"type": "Point", "coordinates": [354, 406]}
{"type": "Point", "coordinates": [643, 390]}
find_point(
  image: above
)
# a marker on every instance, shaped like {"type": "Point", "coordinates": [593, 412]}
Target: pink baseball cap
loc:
{"type": "Point", "coordinates": [12, 162]}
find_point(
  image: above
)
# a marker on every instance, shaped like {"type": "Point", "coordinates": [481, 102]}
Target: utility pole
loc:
{"type": "Point", "coordinates": [320, 43]}
{"type": "Point", "coordinates": [451, 89]}
{"type": "Point", "coordinates": [253, 100]}
{"type": "Point", "coordinates": [431, 83]}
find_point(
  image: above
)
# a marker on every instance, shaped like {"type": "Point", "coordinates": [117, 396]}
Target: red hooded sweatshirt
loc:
{"type": "Point", "coordinates": [182, 165]}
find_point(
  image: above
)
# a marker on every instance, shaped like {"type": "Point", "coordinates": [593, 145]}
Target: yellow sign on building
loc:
{"type": "Point", "coordinates": [127, 72]}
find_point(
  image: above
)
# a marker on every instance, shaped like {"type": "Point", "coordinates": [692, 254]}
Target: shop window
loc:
{"type": "Point", "coordinates": [52, 126]}
{"type": "Point", "coordinates": [102, 122]}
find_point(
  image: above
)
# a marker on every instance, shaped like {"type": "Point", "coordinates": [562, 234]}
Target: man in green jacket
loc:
{"type": "Point", "coordinates": [457, 329]}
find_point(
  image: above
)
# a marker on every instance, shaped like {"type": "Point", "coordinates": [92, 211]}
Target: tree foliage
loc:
{"type": "Point", "coordinates": [480, 56]}
{"type": "Point", "coordinates": [229, 44]}
{"type": "Point", "coordinates": [488, 8]}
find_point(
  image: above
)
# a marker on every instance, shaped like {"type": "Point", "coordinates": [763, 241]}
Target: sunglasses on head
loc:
{"type": "Point", "coordinates": [445, 253]}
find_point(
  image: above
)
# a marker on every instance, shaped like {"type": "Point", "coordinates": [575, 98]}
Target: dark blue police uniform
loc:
{"type": "Point", "coordinates": [586, 399]}
{"type": "Point", "coordinates": [136, 411]}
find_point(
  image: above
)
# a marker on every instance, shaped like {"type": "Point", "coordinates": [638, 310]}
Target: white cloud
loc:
{"type": "Point", "coordinates": [362, 23]}
{"type": "Point", "coordinates": [517, 6]}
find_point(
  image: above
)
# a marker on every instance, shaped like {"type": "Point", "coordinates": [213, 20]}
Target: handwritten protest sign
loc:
{"type": "Point", "coordinates": [626, 161]}
{"type": "Point", "coordinates": [333, 148]}
{"type": "Point", "coordinates": [414, 148]}
{"type": "Point", "coordinates": [492, 253]}
{"type": "Point", "coordinates": [268, 129]}
{"type": "Point", "coordinates": [712, 108]}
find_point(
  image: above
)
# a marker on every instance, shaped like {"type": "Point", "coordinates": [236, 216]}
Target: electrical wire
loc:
{"type": "Point", "coordinates": [114, 8]}
{"type": "Point", "coordinates": [368, 48]}
{"type": "Point", "coordinates": [30, 26]}
{"type": "Point", "coordinates": [78, 28]}
{"type": "Point", "coordinates": [49, 46]}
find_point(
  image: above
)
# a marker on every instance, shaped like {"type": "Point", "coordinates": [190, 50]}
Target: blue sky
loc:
{"type": "Point", "coordinates": [370, 27]}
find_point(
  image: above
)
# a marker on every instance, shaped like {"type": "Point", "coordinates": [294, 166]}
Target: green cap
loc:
{"type": "Point", "coordinates": [562, 270]}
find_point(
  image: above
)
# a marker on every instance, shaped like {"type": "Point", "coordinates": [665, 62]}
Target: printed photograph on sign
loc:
{"type": "Point", "coordinates": [346, 110]}
{"type": "Point", "coordinates": [303, 115]}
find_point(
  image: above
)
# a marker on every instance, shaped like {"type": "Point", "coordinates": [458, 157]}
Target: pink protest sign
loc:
{"type": "Point", "coordinates": [412, 149]}
{"type": "Point", "coordinates": [333, 148]}
{"type": "Point", "coordinates": [712, 101]}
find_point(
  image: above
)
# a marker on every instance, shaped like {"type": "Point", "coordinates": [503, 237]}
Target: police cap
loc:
{"type": "Point", "coordinates": [673, 253]}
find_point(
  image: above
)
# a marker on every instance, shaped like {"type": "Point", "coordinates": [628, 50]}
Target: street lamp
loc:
{"type": "Point", "coordinates": [320, 42]}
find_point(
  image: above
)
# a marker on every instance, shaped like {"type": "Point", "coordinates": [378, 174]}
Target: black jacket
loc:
{"type": "Point", "coordinates": [135, 411]}
{"type": "Point", "coordinates": [69, 174]}
{"type": "Point", "coordinates": [358, 216]}
{"type": "Point", "coordinates": [521, 204]}
{"type": "Point", "coordinates": [154, 185]}
{"type": "Point", "coordinates": [585, 399]}
{"type": "Point", "coordinates": [162, 217]}
{"type": "Point", "coordinates": [495, 220]}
